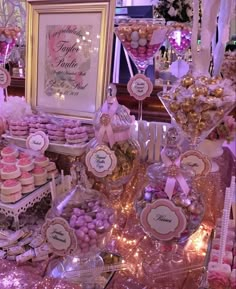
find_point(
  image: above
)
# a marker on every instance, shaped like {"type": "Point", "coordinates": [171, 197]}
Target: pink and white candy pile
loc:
{"type": "Point", "coordinates": [21, 172]}
{"type": "Point", "coordinates": [92, 222]}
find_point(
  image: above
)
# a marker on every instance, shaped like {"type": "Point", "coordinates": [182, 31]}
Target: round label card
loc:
{"type": "Point", "coordinates": [199, 163]}
{"type": "Point", "coordinates": [101, 161]}
{"type": "Point", "coordinates": [163, 220]}
{"type": "Point", "coordinates": [37, 141]}
{"type": "Point", "coordinates": [59, 236]}
{"type": "Point", "coordinates": [5, 78]}
{"type": "Point", "coordinates": [140, 87]}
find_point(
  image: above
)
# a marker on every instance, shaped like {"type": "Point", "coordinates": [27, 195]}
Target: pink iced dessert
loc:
{"type": "Point", "coordinates": [218, 275]}
{"type": "Point", "coordinates": [230, 234]}
{"type": "Point", "coordinates": [227, 259]}
{"type": "Point", "coordinates": [40, 176]}
{"type": "Point", "coordinates": [26, 178]}
{"type": "Point", "coordinates": [9, 151]}
{"type": "Point", "coordinates": [10, 187]}
{"type": "Point", "coordinates": [9, 160]}
{"type": "Point", "coordinates": [25, 164]}
{"type": "Point", "coordinates": [233, 279]}
{"type": "Point", "coordinates": [41, 161]}
{"type": "Point", "coordinates": [228, 247]}
{"type": "Point", "coordinates": [10, 172]}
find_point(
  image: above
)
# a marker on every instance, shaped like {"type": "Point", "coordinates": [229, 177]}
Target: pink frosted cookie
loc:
{"type": "Point", "coordinates": [227, 259]}
{"type": "Point", "coordinates": [53, 173]}
{"type": "Point", "coordinates": [230, 234]}
{"type": "Point", "coordinates": [76, 130]}
{"type": "Point", "coordinates": [43, 119]}
{"type": "Point", "coordinates": [51, 167]}
{"type": "Point", "coordinates": [40, 176]}
{"type": "Point", "coordinates": [216, 244]}
{"type": "Point", "coordinates": [233, 279]}
{"type": "Point", "coordinates": [28, 188]}
{"type": "Point", "coordinates": [1, 166]}
{"type": "Point", "coordinates": [231, 226]}
{"type": "Point", "coordinates": [10, 187]}
{"type": "Point", "coordinates": [11, 160]}
{"type": "Point", "coordinates": [19, 123]}
{"type": "Point", "coordinates": [23, 155]}
{"type": "Point", "coordinates": [33, 130]}
{"type": "Point", "coordinates": [76, 136]}
{"type": "Point", "coordinates": [17, 127]}
{"type": "Point", "coordinates": [52, 170]}
{"type": "Point", "coordinates": [41, 161]}
{"type": "Point", "coordinates": [77, 141]}
{"type": "Point", "coordinates": [55, 127]}
{"type": "Point", "coordinates": [19, 132]}
{"type": "Point", "coordinates": [26, 178]}
{"type": "Point", "coordinates": [25, 164]}
{"type": "Point", "coordinates": [72, 123]}
{"type": "Point", "coordinates": [56, 133]}
{"type": "Point", "coordinates": [9, 151]}
{"type": "Point", "coordinates": [56, 138]}
{"type": "Point", "coordinates": [10, 172]}
{"type": "Point", "coordinates": [234, 263]}
{"type": "Point", "coordinates": [218, 275]}
{"type": "Point", "coordinates": [11, 198]}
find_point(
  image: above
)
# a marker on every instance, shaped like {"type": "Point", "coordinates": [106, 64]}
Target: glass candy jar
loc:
{"type": "Point", "coordinates": [112, 124]}
{"type": "Point", "coordinates": [77, 228]}
{"type": "Point", "coordinates": [191, 205]}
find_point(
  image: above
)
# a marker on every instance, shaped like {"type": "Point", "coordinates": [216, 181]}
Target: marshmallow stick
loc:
{"type": "Point", "coordinates": [54, 182]}
{"type": "Point", "coordinates": [53, 193]}
{"type": "Point", "coordinates": [225, 224]}
{"type": "Point", "coordinates": [63, 181]}
{"type": "Point", "coordinates": [233, 194]}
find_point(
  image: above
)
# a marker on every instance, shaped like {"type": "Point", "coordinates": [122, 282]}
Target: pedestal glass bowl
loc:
{"type": "Point", "coordinates": [90, 217]}
{"type": "Point", "coordinates": [198, 105]}
{"type": "Point", "coordinates": [141, 38]}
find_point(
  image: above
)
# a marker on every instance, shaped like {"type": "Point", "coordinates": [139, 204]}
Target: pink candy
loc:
{"type": "Point", "coordinates": [90, 224]}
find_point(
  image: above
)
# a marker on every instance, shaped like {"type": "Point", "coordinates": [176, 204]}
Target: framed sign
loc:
{"type": "Point", "coordinates": [69, 47]}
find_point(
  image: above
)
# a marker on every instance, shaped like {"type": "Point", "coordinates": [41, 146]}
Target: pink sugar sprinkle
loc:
{"type": "Point", "coordinates": [24, 161]}
{"type": "Point", "coordinates": [40, 158]}
{"type": "Point", "coordinates": [9, 159]}
{"type": "Point", "coordinates": [26, 175]}
{"type": "Point", "coordinates": [38, 170]}
{"type": "Point", "coordinates": [9, 169]}
{"type": "Point", "coordinates": [7, 150]}
{"type": "Point", "coordinates": [10, 183]}
{"type": "Point", "coordinates": [23, 155]}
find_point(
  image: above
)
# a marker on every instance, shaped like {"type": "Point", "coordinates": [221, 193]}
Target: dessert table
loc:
{"type": "Point", "coordinates": [129, 240]}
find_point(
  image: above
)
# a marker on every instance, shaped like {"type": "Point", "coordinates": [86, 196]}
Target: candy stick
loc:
{"type": "Point", "coordinates": [54, 182]}
{"type": "Point", "coordinates": [63, 181]}
{"type": "Point", "coordinates": [225, 224]}
{"type": "Point", "coordinates": [233, 193]}
{"type": "Point", "coordinates": [53, 194]}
